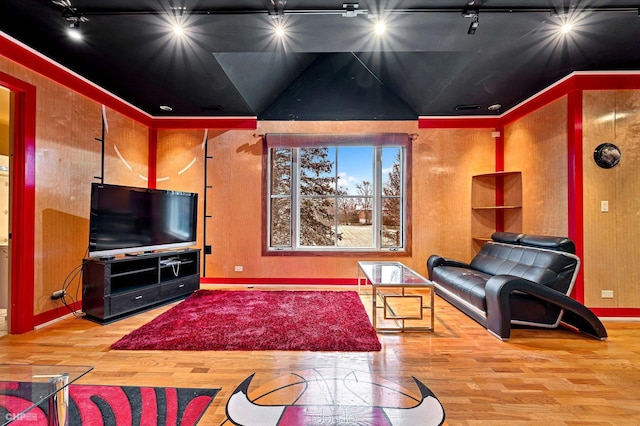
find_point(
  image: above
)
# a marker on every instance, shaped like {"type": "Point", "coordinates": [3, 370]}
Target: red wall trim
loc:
{"type": "Point", "coordinates": [575, 184]}
{"type": "Point", "coordinates": [616, 312]}
{"type": "Point", "coordinates": [465, 122]}
{"type": "Point", "coordinates": [23, 186]}
{"type": "Point", "coordinates": [580, 80]}
{"type": "Point", "coordinates": [280, 281]}
{"type": "Point", "coordinates": [14, 50]}
{"type": "Point", "coordinates": [218, 123]}
{"type": "Point", "coordinates": [57, 313]}
{"type": "Point", "coordinates": [23, 55]}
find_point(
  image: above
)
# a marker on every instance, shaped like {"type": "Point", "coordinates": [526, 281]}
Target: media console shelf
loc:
{"type": "Point", "coordinates": [114, 288]}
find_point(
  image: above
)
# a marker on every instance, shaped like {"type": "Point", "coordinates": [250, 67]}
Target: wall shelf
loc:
{"type": "Point", "coordinates": [496, 203]}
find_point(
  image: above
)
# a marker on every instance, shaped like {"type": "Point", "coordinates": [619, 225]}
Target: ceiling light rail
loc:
{"type": "Point", "coordinates": [348, 11]}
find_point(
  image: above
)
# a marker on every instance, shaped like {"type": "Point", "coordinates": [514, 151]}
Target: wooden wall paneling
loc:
{"type": "Point", "coordinates": [611, 245]}
{"type": "Point", "coordinates": [65, 163]}
{"type": "Point", "coordinates": [180, 167]}
{"type": "Point", "coordinates": [627, 203]}
{"type": "Point", "coordinates": [126, 151]}
{"type": "Point", "coordinates": [600, 247]}
{"type": "Point", "coordinates": [444, 199]}
{"type": "Point", "coordinates": [536, 145]}
{"type": "Point", "coordinates": [234, 229]}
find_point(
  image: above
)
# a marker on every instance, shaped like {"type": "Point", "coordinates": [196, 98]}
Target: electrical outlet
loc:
{"type": "Point", "coordinates": [238, 268]}
{"type": "Point", "coordinates": [607, 294]}
{"type": "Point", "coordinates": [57, 295]}
{"type": "Point", "coordinates": [604, 206]}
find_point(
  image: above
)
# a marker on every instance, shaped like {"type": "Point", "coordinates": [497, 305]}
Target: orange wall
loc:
{"type": "Point", "coordinates": [67, 159]}
{"type": "Point", "coordinates": [443, 162]}
{"type": "Point", "coordinates": [536, 145]}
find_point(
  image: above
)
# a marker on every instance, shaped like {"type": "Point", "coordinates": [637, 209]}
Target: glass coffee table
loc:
{"type": "Point", "coordinates": [401, 293]}
{"type": "Point", "coordinates": [25, 387]}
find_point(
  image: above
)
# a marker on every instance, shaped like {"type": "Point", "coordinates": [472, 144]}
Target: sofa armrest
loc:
{"type": "Point", "coordinates": [435, 261]}
{"type": "Point", "coordinates": [498, 291]}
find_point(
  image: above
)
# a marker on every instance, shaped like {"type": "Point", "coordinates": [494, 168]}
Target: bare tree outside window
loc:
{"type": "Point", "coordinates": [365, 201]}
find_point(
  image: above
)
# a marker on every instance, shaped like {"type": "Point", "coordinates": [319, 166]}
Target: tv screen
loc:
{"type": "Point", "coordinates": [126, 219]}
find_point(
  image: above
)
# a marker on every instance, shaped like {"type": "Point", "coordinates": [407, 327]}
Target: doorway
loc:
{"type": "Point", "coordinates": [5, 132]}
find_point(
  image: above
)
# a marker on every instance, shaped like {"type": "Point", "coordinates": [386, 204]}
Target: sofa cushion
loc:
{"type": "Point", "coordinates": [547, 242]}
{"type": "Point", "coordinates": [465, 283]}
{"type": "Point", "coordinates": [538, 265]}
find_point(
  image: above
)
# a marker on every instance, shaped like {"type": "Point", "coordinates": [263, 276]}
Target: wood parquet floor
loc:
{"type": "Point", "coordinates": [538, 377]}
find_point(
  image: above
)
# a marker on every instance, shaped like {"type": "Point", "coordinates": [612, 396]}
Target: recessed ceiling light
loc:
{"type": "Point", "coordinates": [166, 108]}
{"type": "Point", "coordinates": [380, 28]}
{"type": "Point", "coordinates": [494, 107]}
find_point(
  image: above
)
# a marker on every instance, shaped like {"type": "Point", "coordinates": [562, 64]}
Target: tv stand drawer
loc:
{"type": "Point", "coordinates": [122, 303]}
{"type": "Point", "coordinates": [177, 288]}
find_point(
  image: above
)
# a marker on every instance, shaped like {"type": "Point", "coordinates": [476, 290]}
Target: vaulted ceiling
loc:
{"type": "Point", "coordinates": [329, 64]}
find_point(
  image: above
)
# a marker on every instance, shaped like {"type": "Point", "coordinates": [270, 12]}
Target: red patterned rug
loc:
{"type": "Point", "coordinates": [259, 320]}
{"type": "Point", "coordinates": [108, 405]}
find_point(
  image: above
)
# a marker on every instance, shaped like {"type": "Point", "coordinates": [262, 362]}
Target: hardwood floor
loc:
{"type": "Point", "coordinates": [550, 377]}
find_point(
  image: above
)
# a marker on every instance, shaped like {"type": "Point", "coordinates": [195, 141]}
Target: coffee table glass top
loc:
{"type": "Point", "coordinates": [381, 273]}
{"type": "Point", "coordinates": [59, 376]}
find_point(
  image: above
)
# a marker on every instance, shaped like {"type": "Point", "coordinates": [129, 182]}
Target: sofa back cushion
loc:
{"type": "Point", "coordinates": [554, 269]}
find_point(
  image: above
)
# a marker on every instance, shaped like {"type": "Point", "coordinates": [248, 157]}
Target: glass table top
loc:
{"type": "Point", "coordinates": [381, 273]}
{"type": "Point", "coordinates": [19, 394]}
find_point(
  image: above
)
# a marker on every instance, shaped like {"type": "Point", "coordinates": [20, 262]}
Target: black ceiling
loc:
{"type": "Point", "coordinates": [328, 66]}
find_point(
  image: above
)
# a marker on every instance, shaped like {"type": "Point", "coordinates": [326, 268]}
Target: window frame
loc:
{"type": "Point", "coordinates": [377, 140]}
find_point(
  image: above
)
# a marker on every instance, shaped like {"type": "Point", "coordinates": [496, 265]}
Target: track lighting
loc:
{"type": "Point", "coordinates": [74, 30]}
{"type": "Point", "coordinates": [473, 14]}
{"type": "Point", "coordinates": [474, 26]}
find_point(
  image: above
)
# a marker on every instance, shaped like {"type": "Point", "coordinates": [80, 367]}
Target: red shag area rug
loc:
{"type": "Point", "coordinates": [95, 405]}
{"type": "Point", "coordinates": [259, 320]}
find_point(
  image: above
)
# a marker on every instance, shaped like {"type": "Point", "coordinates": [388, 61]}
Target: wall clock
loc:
{"type": "Point", "coordinates": [607, 155]}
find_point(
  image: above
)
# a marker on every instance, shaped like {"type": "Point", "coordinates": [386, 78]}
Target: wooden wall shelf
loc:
{"type": "Point", "coordinates": [496, 202]}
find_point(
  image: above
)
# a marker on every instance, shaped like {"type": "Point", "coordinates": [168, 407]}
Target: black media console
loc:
{"type": "Point", "coordinates": [118, 287]}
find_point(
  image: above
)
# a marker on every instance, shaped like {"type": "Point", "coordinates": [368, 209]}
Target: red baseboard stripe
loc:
{"type": "Point", "coordinates": [616, 312]}
{"type": "Point", "coordinates": [59, 312]}
{"type": "Point", "coordinates": [281, 281]}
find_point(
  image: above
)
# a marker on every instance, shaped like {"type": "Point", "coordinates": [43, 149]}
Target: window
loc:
{"type": "Point", "coordinates": [336, 192]}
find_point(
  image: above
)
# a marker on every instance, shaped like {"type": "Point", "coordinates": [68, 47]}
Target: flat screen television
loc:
{"type": "Point", "coordinates": [126, 219]}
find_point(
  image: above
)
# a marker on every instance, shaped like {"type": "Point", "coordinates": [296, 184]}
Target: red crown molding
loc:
{"type": "Point", "coordinates": [580, 80]}
{"type": "Point", "coordinates": [29, 58]}
{"type": "Point", "coordinates": [218, 123]}
{"type": "Point", "coordinates": [23, 55]}
{"type": "Point", "coordinates": [463, 122]}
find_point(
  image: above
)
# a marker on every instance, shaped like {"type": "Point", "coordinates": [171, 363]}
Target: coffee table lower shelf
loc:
{"type": "Point", "coordinates": [401, 287]}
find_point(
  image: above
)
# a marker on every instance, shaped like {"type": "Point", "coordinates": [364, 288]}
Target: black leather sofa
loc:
{"type": "Point", "coordinates": [517, 279]}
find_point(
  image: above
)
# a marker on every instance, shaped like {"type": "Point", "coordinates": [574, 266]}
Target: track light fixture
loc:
{"type": "Point", "coordinates": [475, 23]}
{"type": "Point", "coordinates": [473, 26]}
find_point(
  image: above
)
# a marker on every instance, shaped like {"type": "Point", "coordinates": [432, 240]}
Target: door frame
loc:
{"type": "Point", "coordinates": [22, 165]}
